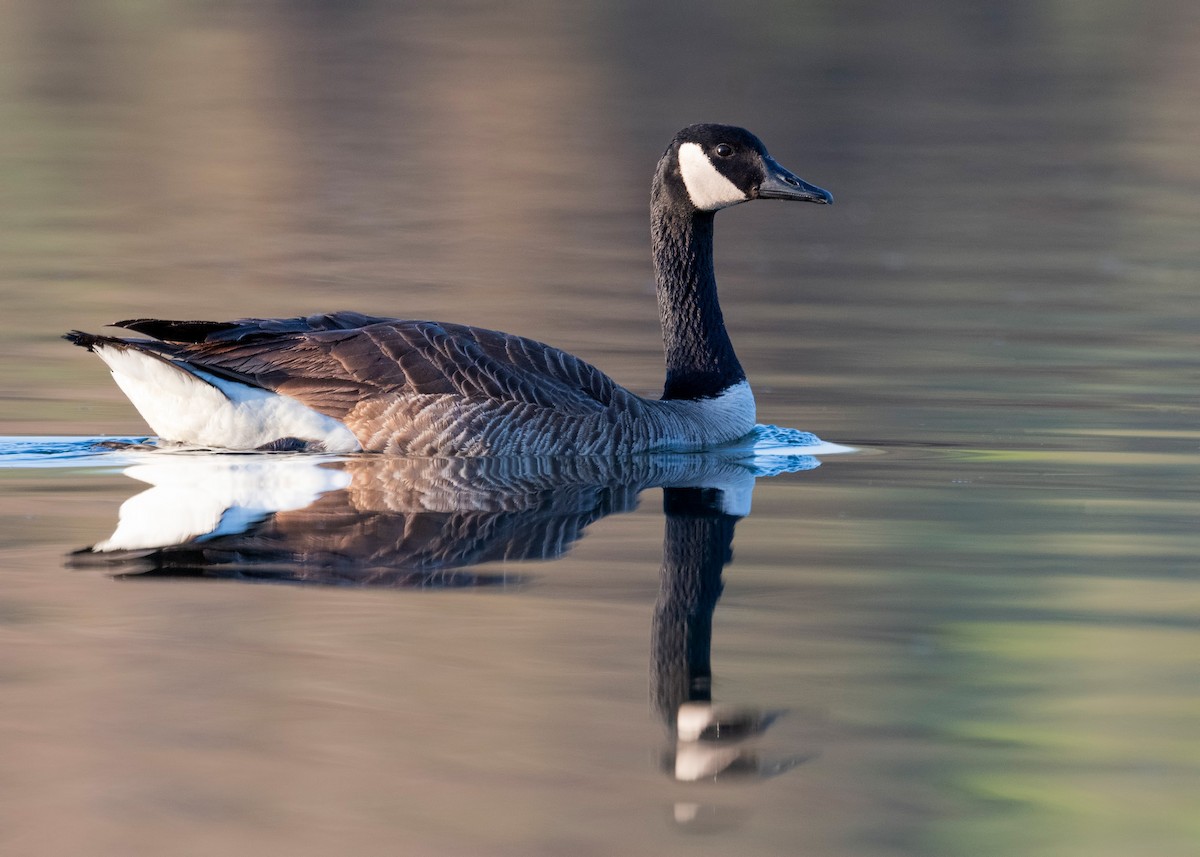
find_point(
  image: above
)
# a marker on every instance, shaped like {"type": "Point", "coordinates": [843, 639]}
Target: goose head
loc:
{"type": "Point", "coordinates": [710, 167]}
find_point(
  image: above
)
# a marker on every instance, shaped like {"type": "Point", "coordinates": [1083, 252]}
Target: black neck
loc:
{"type": "Point", "coordinates": [700, 358]}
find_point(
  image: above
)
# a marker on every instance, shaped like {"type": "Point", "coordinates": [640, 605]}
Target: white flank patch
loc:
{"type": "Point", "coordinates": [207, 496]}
{"type": "Point", "coordinates": [208, 411]}
{"type": "Point", "coordinates": [708, 189]}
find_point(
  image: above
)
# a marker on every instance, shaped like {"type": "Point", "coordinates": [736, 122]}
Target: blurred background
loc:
{"type": "Point", "coordinates": [985, 625]}
{"type": "Point", "coordinates": [1016, 190]}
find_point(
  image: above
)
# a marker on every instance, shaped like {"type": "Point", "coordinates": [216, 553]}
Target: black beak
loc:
{"type": "Point", "coordinates": [781, 184]}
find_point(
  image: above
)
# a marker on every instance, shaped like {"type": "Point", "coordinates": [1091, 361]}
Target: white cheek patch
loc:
{"type": "Point", "coordinates": [708, 189]}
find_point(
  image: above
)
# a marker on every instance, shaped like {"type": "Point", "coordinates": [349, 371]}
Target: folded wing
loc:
{"type": "Point", "coordinates": [333, 362]}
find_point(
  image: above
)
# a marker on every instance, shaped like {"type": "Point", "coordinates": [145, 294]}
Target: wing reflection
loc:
{"type": "Point", "coordinates": [375, 521]}
{"type": "Point", "coordinates": [392, 522]}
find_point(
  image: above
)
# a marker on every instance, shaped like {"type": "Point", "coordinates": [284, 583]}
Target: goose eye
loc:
{"type": "Point", "coordinates": [724, 150]}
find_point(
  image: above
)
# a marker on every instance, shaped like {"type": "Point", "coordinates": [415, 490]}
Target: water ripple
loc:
{"type": "Point", "coordinates": [67, 451]}
{"type": "Point", "coordinates": [766, 451]}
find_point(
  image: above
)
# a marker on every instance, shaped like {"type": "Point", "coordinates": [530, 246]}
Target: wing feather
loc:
{"type": "Point", "coordinates": [333, 362]}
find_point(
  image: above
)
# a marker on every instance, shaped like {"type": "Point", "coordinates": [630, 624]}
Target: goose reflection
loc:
{"type": "Point", "coordinates": [397, 522]}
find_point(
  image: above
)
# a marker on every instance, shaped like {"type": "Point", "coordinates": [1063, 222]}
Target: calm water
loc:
{"type": "Point", "coordinates": [978, 634]}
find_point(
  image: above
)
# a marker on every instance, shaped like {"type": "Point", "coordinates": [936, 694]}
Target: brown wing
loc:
{"type": "Point", "coordinates": [333, 362]}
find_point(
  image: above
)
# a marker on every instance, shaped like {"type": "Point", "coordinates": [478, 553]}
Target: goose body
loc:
{"type": "Point", "coordinates": [347, 382]}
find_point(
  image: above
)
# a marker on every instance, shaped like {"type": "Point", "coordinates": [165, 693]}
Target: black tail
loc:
{"type": "Point", "coordinates": [167, 331]}
{"type": "Point", "coordinates": [177, 331]}
{"type": "Point", "coordinates": [88, 340]}
{"type": "Point", "coordinates": [147, 346]}
{"type": "Point", "coordinates": [173, 353]}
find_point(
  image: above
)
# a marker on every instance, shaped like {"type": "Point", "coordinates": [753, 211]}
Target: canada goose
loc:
{"type": "Point", "coordinates": [345, 382]}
